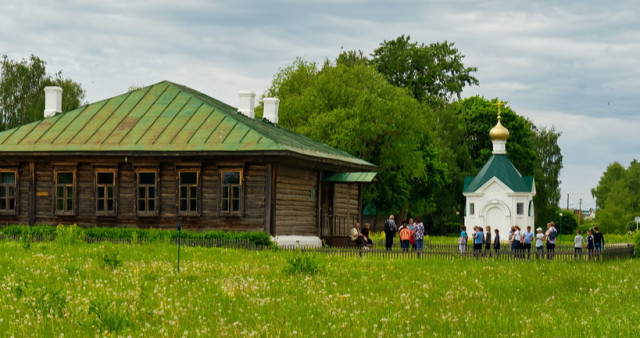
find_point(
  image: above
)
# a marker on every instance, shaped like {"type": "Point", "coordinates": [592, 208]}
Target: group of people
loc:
{"type": "Point", "coordinates": [411, 234]}
{"type": "Point", "coordinates": [520, 241]}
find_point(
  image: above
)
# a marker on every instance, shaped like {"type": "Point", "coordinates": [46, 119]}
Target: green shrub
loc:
{"type": "Point", "coordinates": [69, 234]}
{"type": "Point", "coordinates": [111, 258]}
{"type": "Point", "coordinates": [302, 264]}
{"type": "Point", "coordinates": [636, 242]}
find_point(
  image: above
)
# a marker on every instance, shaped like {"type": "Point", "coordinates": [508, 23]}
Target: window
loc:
{"type": "Point", "coordinates": [231, 199]}
{"type": "Point", "coordinates": [147, 192]}
{"type": "Point", "coordinates": [8, 192]}
{"type": "Point", "coordinates": [65, 192]}
{"type": "Point", "coordinates": [520, 208]}
{"type": "Point", "coordinates": [105, 192]}
{"type": "Point", "coordinates": [472, 209]}
{"type": "Point", "coordinates": [188, 191]}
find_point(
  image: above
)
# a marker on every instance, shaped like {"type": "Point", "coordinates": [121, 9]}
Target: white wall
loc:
{"type": "Point", "coordinates": [496, 205]}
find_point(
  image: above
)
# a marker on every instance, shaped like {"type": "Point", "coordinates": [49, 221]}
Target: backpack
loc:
{"type": "Point", "coordinates": [388, 227]}
{"type": "Point", "coordinates": [405, 234]}
{"type": "Point", "coordinates": [553, 234]}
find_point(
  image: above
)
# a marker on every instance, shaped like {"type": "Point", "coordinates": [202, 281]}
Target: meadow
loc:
{"type": "Point", "coordinates": [50, 289]}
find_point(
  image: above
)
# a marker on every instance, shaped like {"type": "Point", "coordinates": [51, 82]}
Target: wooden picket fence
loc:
{"type": "Point", "coordinates": [203, 242]}
{"type": "Point", "coordinates": [452, 252]}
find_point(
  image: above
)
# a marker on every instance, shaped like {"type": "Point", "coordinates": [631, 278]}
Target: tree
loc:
{"type": "Point", "coordinates": [546, 173]}
{"type": "Point", "coordinates": [480, 115]}
{"type": "Point", "coordinates": [569, 221]}
{"type": "Point", "coordinates": [352, 107]}
{"type": "Point", "coordinates": [533, 151]}
{"type": "Point", "coordinates": [432, 74]}
{"type": "Point", "coordinates": [22, 91]}
{"type": "Point", "coordinates": [618, 197]}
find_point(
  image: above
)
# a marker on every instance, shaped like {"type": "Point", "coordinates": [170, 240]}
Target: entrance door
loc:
{"type": "Point", "coordinates": [326, 209]}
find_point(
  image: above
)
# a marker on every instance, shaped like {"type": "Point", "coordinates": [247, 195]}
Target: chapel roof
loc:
{"type": "Point", "coordinates": [501, 168]}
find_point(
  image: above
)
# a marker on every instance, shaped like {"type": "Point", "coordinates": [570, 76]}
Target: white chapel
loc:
{"type": "Point", "coordinates": [499, 196]}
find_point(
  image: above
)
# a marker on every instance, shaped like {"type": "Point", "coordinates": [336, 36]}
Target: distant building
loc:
{"type": "Point", "coordinates": [499, 196]}
{"type": "Point", "coordinates": [167, 153]}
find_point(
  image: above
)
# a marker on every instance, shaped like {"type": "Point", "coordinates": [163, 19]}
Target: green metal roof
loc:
{"type": "Point", "coordinates": [364, 177]}
{"type": "Point", "coordinates": [163, 117]}
{"type": "Point", "coordinates": [501, 168]}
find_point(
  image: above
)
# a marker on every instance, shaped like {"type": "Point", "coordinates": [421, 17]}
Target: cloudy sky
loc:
{"type": "Point", "coordinates": [571, 64]}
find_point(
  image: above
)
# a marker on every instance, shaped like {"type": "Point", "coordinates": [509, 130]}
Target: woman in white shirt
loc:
{"type": "Point", "coordinates": [517, 239]}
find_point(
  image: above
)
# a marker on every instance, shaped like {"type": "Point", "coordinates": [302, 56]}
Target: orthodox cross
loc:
{"type": "Point", "coordinates": [499, 103]}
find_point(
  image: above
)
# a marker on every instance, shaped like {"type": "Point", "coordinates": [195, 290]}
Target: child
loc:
{"type": "Point", "coordinates": [539, 243]}
{"type": "Point", "coordinates": [590, 243]}
{"type": "Point", "coordinates": [405, 236]}
{"type": "Point", "coordinates": [577, 244]}
{"type": "Point", "coordinates": [462, 240]}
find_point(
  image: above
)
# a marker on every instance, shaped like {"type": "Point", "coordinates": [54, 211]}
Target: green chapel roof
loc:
{"type": "Point", "coordinates": [501, 168]}
{"type": "Point", "coordinates": [164, 117]}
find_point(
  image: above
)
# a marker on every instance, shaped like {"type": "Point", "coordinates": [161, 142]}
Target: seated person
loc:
{"type": "Point", "coordinates": [365, 233]}
{"type": "Point", "coordinates": [356, 235]}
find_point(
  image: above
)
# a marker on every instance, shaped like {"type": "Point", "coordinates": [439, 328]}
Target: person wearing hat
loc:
{"type": "Point", "coordinates": [539, 243]}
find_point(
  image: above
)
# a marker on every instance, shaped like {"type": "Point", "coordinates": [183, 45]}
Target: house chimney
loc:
{"type": "Point", "coordinates": [246, 103]}
{"type": "Point", "coordinates": [271, 109]}
{"type": "Point", "coordinates": [52, 101]}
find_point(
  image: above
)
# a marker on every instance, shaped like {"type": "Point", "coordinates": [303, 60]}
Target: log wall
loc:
{"type": "Point", "coordinates": [252, 218]}
{"type": "Point", "coordinates": [346, 201]}
{"type": "Point", "coordinates": [296, 204]}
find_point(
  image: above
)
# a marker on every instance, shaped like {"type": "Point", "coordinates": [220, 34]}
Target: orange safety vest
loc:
{"type": "Point", "coordinates": [405, 234]}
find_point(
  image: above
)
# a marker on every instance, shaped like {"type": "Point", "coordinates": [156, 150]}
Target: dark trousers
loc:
{"type": "Point", "coordinates": [389, 240]}
{"type": "Point", "coordinates": [515, 246]}
{"type": "Point", "coordinates": [477, 249]}
{"type": "Point", "coordinates": [577, 253]}
{"type": "Point", "coordinates": [404, 245]}
{"type": "Point", "coordinates": [551, 250]}
{"type": "Point", "coordinates": [359, 241]}
{"type": "Point", "coordinates": [526, 247]}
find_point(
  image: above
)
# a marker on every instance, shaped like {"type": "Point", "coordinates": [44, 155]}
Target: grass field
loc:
{"type": "Point", "coordinates": [49, 289]}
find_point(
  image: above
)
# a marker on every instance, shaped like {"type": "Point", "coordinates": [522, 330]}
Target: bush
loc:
{"type": "Point", "coordinates": [111, 258]}
{"type": "Point", "coordinates": [636, 242]}
{"type": "Point", "coordinates": [302, 264]}
{"type": "Point", "coordinates": [72, 233]}
{"type": "Point", "coordinates": [69, 234]}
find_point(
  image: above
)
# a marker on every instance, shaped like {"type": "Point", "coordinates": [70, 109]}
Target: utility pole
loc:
{"type": "Point", "coordinates": [567, 201]}
{"type": "Point", "coordinates": [580, 214]}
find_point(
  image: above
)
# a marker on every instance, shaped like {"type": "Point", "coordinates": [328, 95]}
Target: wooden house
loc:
{"type": "Point", "coordinates": [167, 153]}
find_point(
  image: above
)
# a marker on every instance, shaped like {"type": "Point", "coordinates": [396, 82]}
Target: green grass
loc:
{"type": "Point", "coordinates": [99, 290]}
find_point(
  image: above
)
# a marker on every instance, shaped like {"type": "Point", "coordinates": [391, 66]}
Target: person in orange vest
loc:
{"type": "Point", "coordinates": [405, 238]}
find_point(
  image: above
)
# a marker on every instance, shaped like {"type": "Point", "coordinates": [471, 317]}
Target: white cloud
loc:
{"type": "Point", "coordinates": [577, 59]}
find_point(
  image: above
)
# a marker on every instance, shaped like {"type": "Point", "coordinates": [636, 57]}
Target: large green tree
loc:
{"type": "Point", "coordinates": [432, 73]}
{"type": "Point", "coordinates": [22, 91]}
{"type": "Point", "coordinates": [546, 173]}
{"type": "Point", "coordinates": [352, 107]}
{"type": "Point", "coordinates": [618, 197]}
{"type": "Point", "coordinates": [533, 151]}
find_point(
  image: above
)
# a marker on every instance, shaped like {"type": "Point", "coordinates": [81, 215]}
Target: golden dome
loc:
{"type": "Point", "coordinates": [499, 133]}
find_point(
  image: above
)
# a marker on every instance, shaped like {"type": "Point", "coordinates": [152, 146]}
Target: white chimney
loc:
{"type": "Point", "coordinates": [246, 103]}
{"type": "Point", "coordinates": [52, 101]}
{"type": "Point", "coordinates": [271, 109]}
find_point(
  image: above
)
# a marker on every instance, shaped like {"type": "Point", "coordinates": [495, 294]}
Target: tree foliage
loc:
{"type": "Point", "coordinates": [353, 108]}
{"type": "Point", "coordinates": [432, 73]}
{"type": "Point", "coordinates": [396, 110]}
{"type": "Point", "coordinates": [546, 173]}
{"type": "Point", "coordinates": [618, 197]}
{"type": "Point", "coordinates": [22, 91]}
{"type": "Point", "coordinates": [567, 223]}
